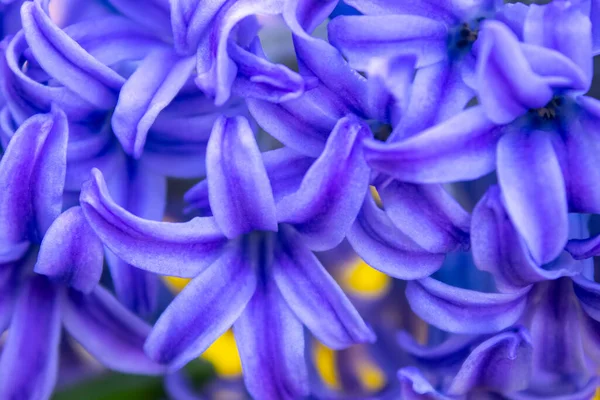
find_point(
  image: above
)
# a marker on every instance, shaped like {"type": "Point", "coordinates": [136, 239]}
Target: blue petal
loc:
{"type": "Point", "coordinates": [29, 362]}
{"type": "Point", "coordinates": [270, 340]}
{"type": "Point", "coordinates": [109, 332]}
{"type": "Point", "coordinates": [428, 215]}
{"type": "Point", "coordinates": [387, 248]}
{"type": "Point", "coordinates": [534, 191]}
{"type": "Point", "coordinates": [204, 310]}
{"type": "Point", "coordinates": [461, 148]}
{"type": "Point", "coordinates": [314, 296]}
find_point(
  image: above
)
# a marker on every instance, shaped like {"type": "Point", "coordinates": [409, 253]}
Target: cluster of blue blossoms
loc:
{"type": "Point", "coordinates": [450, 144]}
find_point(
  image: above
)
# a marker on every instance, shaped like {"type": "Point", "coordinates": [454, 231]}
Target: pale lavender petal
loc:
{"type": "Point", "coordinates": [314, 296]}
{"type": "Point", "coordinates": [109, 332]}
{"type": "Point", "coordinates": [465, 311]}
{"type": "Point", "coordinates": [179, 249]}
{"type": "Point", "coordinates": [414, 386]}
{"type": "Point", "coordinates": [71, 253]}
{"type": "Point", "coordinates": [190, 19]}
{"type": "Point", "coordinates": [427, 214]}
{"type": "Point", "coordinates": [29, 362]}
{"type": "Point", "coordinates": [152, 86]}
{"type": "Point", "coordinates": [239, 190]}
{"type": "Point", "coordinates": [534, 191]}
{"type": "Point", "coordinates": [204, 310]}
{"type": "Point", "coordinates": [332, 191]}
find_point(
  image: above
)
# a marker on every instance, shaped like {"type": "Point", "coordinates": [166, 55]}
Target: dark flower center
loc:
{"type": "Point", "coordinates": [466, 36]}
{"type": "Point", "coordinates": [462, 37]}
{"type": "Point", "coordinates": [549, 112]}
{"type": "Point", "coordinates": [381, 131]}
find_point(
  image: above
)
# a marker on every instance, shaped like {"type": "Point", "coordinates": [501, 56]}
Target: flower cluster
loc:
{"type": "Point", "coordinates": [449, 144]}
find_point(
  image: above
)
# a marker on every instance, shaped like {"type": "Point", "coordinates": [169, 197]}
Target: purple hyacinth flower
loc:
{"type": "Point", "coordinates": [37, 240]}
{"type": "Point", "coordinates": [533, 125]}
{"type": "Point", "coordinates": [170, 127]}
{"type": "Point", "coordinates": [252, 263]}
{"type": "Point", "coordinates": [467, 366]}
{"type": "Point", "coordinates": [557, 302]}
{"type": "Point", "coordinates": [396, 240]}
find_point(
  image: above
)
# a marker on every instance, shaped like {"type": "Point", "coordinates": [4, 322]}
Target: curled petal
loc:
{"type": "Point", "coordinates": [414, 386]}
{"type": "Point", "coordinates": [461, 148]}
{"type": "Point", "coordinates": [29, 362]}
{"type": "Point", "coordinates": [534, 191]}
{"type": "Point", "coordinates": [362, 38]}
{"type": "Point", "coordinates": [438, 93]}
{"type": "Point", "coordinates": [333, 189]}
{"type": "Point", "coordinates": [239, 190]}
{"type": "Point", "coordinates": [428, 215]}
{"type": "Point", "coordinates": [439, 10]}
{"type": "Point", "coordinates": [385, 247]}
{"type": "Point", "coordinates": [215, 67]}
{"type": "Point", "coordinates": [563, 27]}
{"type": "Point", "coordinates": [464, 311]}
{"type": "Point", "coordinates": [302, 124]}
{"type": "Point", "coordinates": [190, 19]}
{"type": "Point", "coordinates": [108, 331]}
{"type": "Point", "coordinates": [152, 86]}
{"type": "Point", "coordinates": [261, 79]}
{"type": "Point", "coordinates": [66, 61]}
{"type": "Point", "coordinates": [204, 310]}
{"type": "Point", "coordinates": [506, 90]}
{"type": "Point", "coordinates": [314, 296]}
{"type": "Point", "coordinates": [584, 248]}
{"type": "Point", "coordinates": [32, 177]}
{"type": "Point", "coordinates": [270, 340]}
{"type": "Point", "coordinates": [71, 252]}
{"type": "Point", "coordinates": [178, 249]}
{"type": "Point", "coordinates": [501, 364]}
{"type": "Point", "coordinates": [588, 293]}
{"type": "Point", "coordinates": [499, 249]}
{"type": "Point", "coordinates": [154, 16]}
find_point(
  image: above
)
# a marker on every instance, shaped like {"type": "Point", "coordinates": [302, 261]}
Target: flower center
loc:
{"type": "Point", "coordinates": [381, 131]}
{"type": "Point", "coordinates": [549, 112]}
{"type": "Point", "coordinates": [466, 36]}
{"type": "Point", "coordinates": [463, 36]}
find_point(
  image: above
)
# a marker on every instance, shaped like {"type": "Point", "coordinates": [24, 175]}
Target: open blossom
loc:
{"type": "Point", "coordinates": [396, 202]}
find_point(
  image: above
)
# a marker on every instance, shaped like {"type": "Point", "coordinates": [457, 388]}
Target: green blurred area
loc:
{"type": "Point", "coordinates": [116, 386]}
